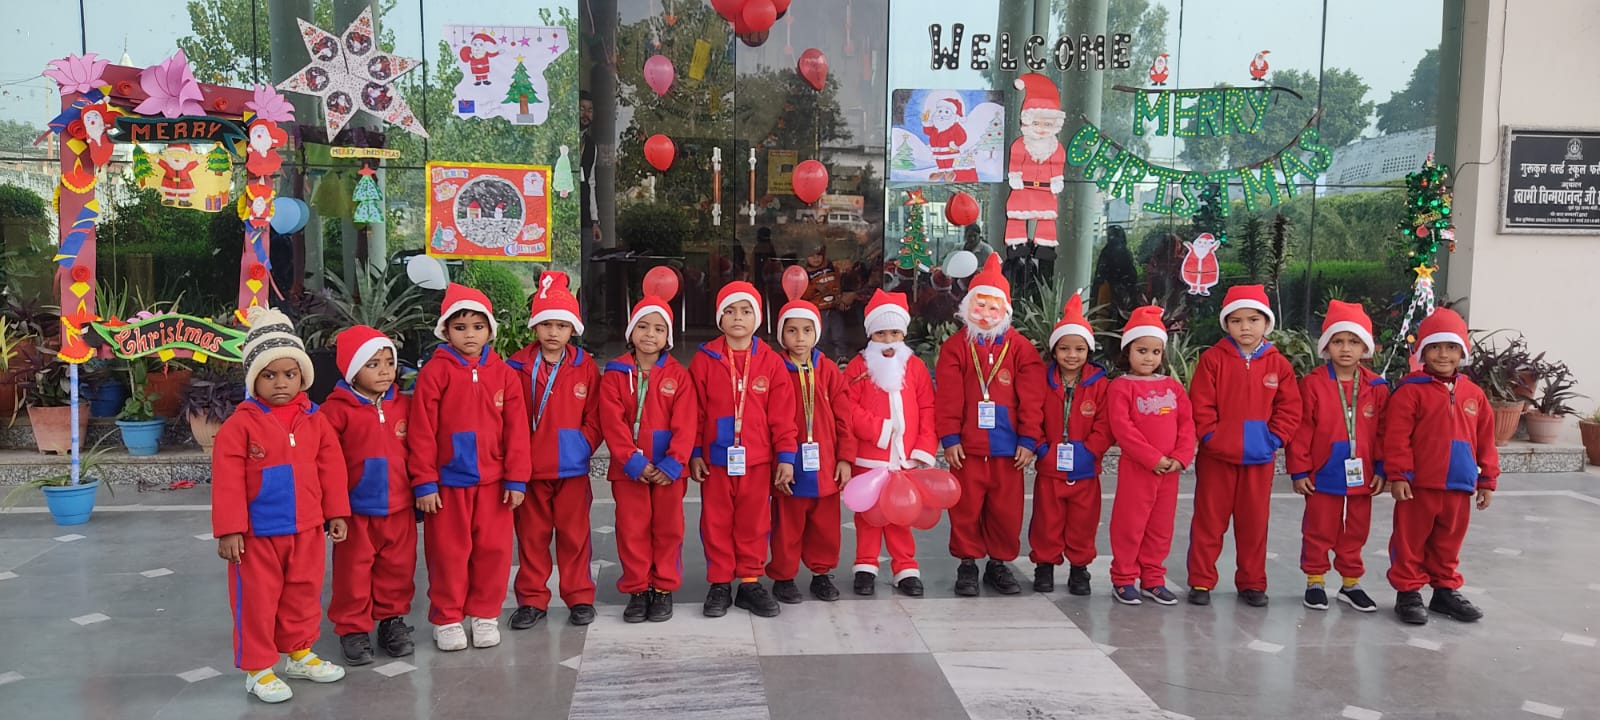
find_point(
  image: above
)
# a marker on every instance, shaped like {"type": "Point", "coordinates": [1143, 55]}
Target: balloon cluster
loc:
{"type": "Point", "coordinates": [752, 19]}
{"type": "Point", "coordinates": [912, 498]}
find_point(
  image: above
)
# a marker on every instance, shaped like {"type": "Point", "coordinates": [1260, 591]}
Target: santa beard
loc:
{"type": "Point", "coordinates": [888, 373]}
{"type": "Point", "coordinates": [1041, 148]}
{"type": "Point", "coordinates": [943, 123]}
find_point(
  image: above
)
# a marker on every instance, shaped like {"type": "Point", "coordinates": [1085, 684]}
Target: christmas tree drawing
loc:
{"type": "Point", "coordinates": [561, 177]}
{"type": "Point", "coordinates": [369, 200]}
{"type": "Point", "coordinates": [142, 168]}
{"type": "Point", "coordinates": [217, 160]}
{"type": "Point", "coordinates": [914, 253]}
{"type": "Point", "coordinates": [521, 91]}
{"type": "Point", "coordinates": [903, 157]}
{"type": "Point", "coordinates": [994, 137]}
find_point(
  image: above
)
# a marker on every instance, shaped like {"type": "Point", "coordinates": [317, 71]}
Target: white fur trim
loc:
{"type": "Point", "coordinates": [639, 315]}
{"type": "Point", "coordinates": [543, 315]}
{"type": "Point", "coordinates": [925, 457]}
{"type": "Point", "coordinates": [884, 436]}
{"type": "Point", "coordinates": [473, 305]}
{"type": "Point", "coordinates": [1031, 214]}
{"type": "Point", "coordinates": [1237, 305]}
{"type": "Point", "coordinates": [1441, 337]}
{"type": "Point", "coordinates": [859, 567]}
{"type": "Point", "coordinates": [1041, 242]}
{"type": "Point", "coordinates": [1144, 331]}
{"type": "Point", "coordinates": [887, 317]}
{"type": "Point", "coordinates": [365, 353]}
{"type": "Point", "coordinates": [1044, 111]}
{"type": "Point", "coordinates": [803, 314]}
{"type": "Point", "coordinates": [1344, 326]}
{"type": "Point", "coordinates": [755, 303]}
{"type": "Point", "coordinates": [907, 573]}
{"type": "Point", "coordinates": [870, 463]}
{"type": "Point", "coordinates": [1065, 330]}
{"type": "Point", "coordinates": [1013, 242]}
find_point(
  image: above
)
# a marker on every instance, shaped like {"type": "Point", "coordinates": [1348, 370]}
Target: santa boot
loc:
{"type": "Point", "coordinates": [1016, 267]}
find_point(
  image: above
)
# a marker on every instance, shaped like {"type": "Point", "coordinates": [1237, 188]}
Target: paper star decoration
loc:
{"type": "Point", "coordinates": [1425, 272]}
{"type": "Point", "coordinates": [350, 73]}
{"type": "Point", "coordinates": [914, 197]}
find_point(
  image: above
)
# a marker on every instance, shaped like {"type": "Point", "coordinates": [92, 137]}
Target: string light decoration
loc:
{"type": "Point", "coordinates": [1427, 228]}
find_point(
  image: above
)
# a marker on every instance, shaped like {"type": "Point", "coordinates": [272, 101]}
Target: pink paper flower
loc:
{"type": "Point", "coordinates": [77, 73]}
{"type": "Point", "coordinates": [269, 105]}
{"type": "Point", "coordinates": [172, 88]}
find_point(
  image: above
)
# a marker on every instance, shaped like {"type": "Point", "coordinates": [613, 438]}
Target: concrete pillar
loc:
{"type": "Point", "coordinates": [288, 54]}
{"type": "Point", "coordinates": [1081, 94]}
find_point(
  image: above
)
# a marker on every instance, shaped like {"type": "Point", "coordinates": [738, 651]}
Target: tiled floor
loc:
{"type": "Point", "coordinates": [126, 617]}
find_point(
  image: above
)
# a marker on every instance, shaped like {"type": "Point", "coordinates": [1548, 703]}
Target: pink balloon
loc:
{"type": "Point", "coordinates": [759, 15]}
{"type": "Point", "coordinates": [862, 491]}
{"type": "Point", "coordinates": [928, 519]}
{"type": "Point", "coordinates": [810, 180]}
{"type": "Point", "coordinates": [795, 282]}
{"type": "Point", "coordinates": [939, 488]}
{"type": "Point", "coordinates": [813, 66]}
{"type": "Point", "coordinates": [901, 501]}
{"type": "Point", "coordinates": [659, 74]}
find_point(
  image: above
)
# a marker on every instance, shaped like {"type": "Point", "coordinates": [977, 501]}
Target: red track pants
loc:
{"type": "Point", "coordinates": [374, 571]}
{"type": "Point", "coordinates": [1065, 520]}
{"type": "Point", "coordinates": [735, 520]}
{"type": "Point", "coordinates": [1339, 524]}
{"type": "Point", "coordinates": [649, 534]}
{"type": "Point", "coordinates": [558, 508]}
{"type": "Point", "coordinates": [901, 543]}
{"type": "Point", "coordinates": [804, 530]}
{"type": "Point", "coordinates": [1142, 516]}
{"type": "Point", "coordinates": [468, 544]}
{"type": "Point", "coordinates": [1426, 546]}
{"type": "Point", "coordinates": [987, 520]}
{"type": "Point", "coordinates": [1243, 493]}
{"type": "Point", "coordinates": [275, 592]}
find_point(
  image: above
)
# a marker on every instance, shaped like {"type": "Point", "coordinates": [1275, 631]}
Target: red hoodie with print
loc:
{"type": "Point", "coordinates": [1322, 443]}
{"type": "Point", "coordinates": [568, 428]}
{"type": "Point", "coordinates": [830, 425]}
{"type": "Point", "coordinates": [1246, 407]}
{"type": "Point", "coordinates": [1439, 434]}
{"type": "Point", "coordinates": [768, 431]}
{"type": "Point", "coordinates": [373, 436]}
{"type": "Point", "coordinates": [469, 424]}
{"type": "Point", "coordinates": [269, 480]}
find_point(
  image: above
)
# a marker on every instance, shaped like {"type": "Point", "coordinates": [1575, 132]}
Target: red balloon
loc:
{"type": "Point", "coordinates": [728, 9]}
{"type": "Point", "coordinates": [753, 39]}
{"type": "Point", "coordinates": [810, 181]}
{"type": "Point", "coordinates": [929, 518]}
{"type": "Point", "coordinates": [874, 516]}
{"type": "Point", "coordinates": [900, 500]}
{"type": "Point", "coordinates": [759, 15]}
{"type": "Point", "coordinates": [795, 282]}
{"type": "Point", "coordinates": [939, 488]}
{"type": "Point", "coordinates": [782, 6]}
{"type": "Point", "coordinates": [660, 151]}
{"type": "Point", "coordinates": [961, 209]}
{"type": "Point", "coordinates": [661, 282]}
{"type": "Point", "coordinates": [813, 66]}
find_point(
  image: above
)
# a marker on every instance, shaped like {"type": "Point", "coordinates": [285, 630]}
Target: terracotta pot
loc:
{"type": "Point", "coordinates": [1506, 416]}
{"type": "Point", "coordinates": [172, 385]}
{"type": "Point", "coordinates": [52, 427]}
{"type": "Point", "coordinates": [205, 431]}
{"type": "Point", "coordinates": [1543, 429]}
{"type": "Point", "coordinates": [1591, 440]}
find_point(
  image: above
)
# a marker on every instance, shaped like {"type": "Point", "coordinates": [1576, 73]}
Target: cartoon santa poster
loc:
{"type": "Point", "coordinates": [946, 137]}
{"type": "Point", "coordinates": [177, 182]}
{"type": "Point", "coordinates": [503, 71]}
{"type": "Point", "coordinates": [1200, 268]}
{"type": "Point", "coordinates": [1036, 176]}
{"type": "Point", "coordinates": [477, 55]}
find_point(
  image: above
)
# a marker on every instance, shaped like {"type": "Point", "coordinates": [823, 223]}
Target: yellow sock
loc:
{"type": "Point", "coordinates": [299, 655]}
{"type": "Point", "coordinates": [1313, 580]}
{"type": "Point", "coordinates": [1351, 582]}
{"type": "Point", "coordinates": [262, 677]}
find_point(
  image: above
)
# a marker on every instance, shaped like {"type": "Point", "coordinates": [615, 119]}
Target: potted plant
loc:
{"type": "Point", "coordinates": [48, 396]}
{"type": "Point", "coordinates": [141, 429]}
{"type": "Point", "coordinates": [212, 398]}
{"type": "Point", "coordinates": [1589, 428]}
{"type": "Point", "coordinates": [69, 504]}
{"type": "Point", "coordinates": [106, 389]}
{"type": "Point", "coordinates": [11, 362]}
{"type": "Point", "coordinates": [1508, 374]}
{"type": "Point", "coordinates": [166, 385]}
{"type": "Point", "coordinates": [1550, 406]}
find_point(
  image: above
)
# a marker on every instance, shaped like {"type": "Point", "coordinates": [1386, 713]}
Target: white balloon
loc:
{"type": "Point", "coordinates": [427, 272]}
{"type": "Point", "coordinates": [961, 264]}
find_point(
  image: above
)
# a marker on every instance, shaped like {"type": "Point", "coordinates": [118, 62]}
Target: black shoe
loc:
{"type": "Point", "coordinates": [357, 648]}
{"type": "Point", "coordinates": [1198, 596]}
{"type": "Point", "coordinates": [1044, 578]}
{"type": "Point", "coordinates": [660, 606]}
{"type": "Point", "coordinates": [866, 583]}
{"type": "Point", "coordinates": [718, 600]}
{"type": "Point", "coordinates": [526, 616]}
{"type": "Point", "coordinates": [822, 588]}
{"type": "Point", "coordinates": [1408, 605]}
{"type": "Point", "coordinates": [1454, 605]}
{"type": "Point", "coordinates": [638, 607]}
{"type": "Point", "coordinates": [998, 576]}
{"type": "Point", "coordinates": [753, 597]}
{"type": "Point", "coordinates": [1078, 580]}
{"type": "Point", "coordinates": [1255, 598]}
{"type": "Point", "coordinates": [967, 579]}
{"type": "Point", "coordinates": [1357, 598]}
{"type": "Point", "coordinates": [582, 614]}
{"type": "Point", "coordinates": [786, 592]}
{"type": "Point", "coordinates": [910, 587]}
{"type": "Point", "coordinates": [1316, 597]}
{"type": "Point", "coordinates": [394, 636]}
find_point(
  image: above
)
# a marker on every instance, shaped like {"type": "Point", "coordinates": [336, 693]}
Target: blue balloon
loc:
{"type": "Point", "coordinates": [289, 215]}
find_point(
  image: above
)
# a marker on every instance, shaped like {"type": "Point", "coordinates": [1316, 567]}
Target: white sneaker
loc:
{"type": "Point", "coordinates": [314, 669]}
{"type": "Point", "coordinates": [272, 691]}
{"type": "Point", "coordinates": [485, 632]}
{"type": "Point", "coordinates": [450, 638]}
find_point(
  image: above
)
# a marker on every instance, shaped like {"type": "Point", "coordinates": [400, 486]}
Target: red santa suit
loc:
{"type": "Point", "coordinates": [177, 183]}
{"type": "Point", "coordinates": [469, 443]}
{"type": "Point", "coordinates": [1439, 436]}
{"type": "Point", "coordinates": [1246, 407]}
{"type": "Point", "coordinates": [946, 144]}
{"type": "Point", "coordinates": [374, 569]}
{"type": "Point", "coordinates": [478, 65]}
{"type": "Point", "coordinates": [1035, 182]}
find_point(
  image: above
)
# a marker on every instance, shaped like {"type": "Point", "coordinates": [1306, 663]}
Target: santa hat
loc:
{"type": "Point", "coordinates": [646, 305]}
{"type": "Point", "coordinates": [991, 281]}
{"type": "Point", "coordinates": [1443, 326]}
{"type": "Point", "coordinates": [734, 292]}
{"type": "Point", "coordinates": [460, 297]}
{"type": "Point", "coordinates": [1039, 93]}
{"type": "Point", "coordinates": [1345, 317]}
{"type": "Point", "coordinates": [554, 301]}
{"type": "Point", "coordinates": [1144, 322]}
{"type": "Point", "coordinates": [1072, 323]}
{"type": "Point", "coordinates": [801, 310]}
{"type": "Point", "coordinates": [887, 311]}
{"type": "Point", "coordinates": [1247, 297]}
{"type": "Point", "coordinates": [272, 338]}
{"type": "Point", "coordinates": [354, 348]}
{"type": "Point", "coordinates": [954, 102]}
{"type": "Point", "coordinates": [486, 37]}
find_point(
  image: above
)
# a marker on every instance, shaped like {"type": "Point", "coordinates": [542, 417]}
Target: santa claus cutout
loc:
{"type": "Point", "coordinates": [177, 183]}
{"type": "Point", "coordinates": [946, 137]}
{"type": "Point", "coordinates": [1200, 268]}
{"type": "Point", "coordinates": [264, 139]}
{"type": "Point", "coordinates": [1036, 177]}
{"type": "Point", "coordinates": [477, 55]}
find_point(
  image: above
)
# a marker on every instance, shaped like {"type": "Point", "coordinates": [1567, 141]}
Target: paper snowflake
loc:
{"type": "Point", "coordinates": [349, 73]}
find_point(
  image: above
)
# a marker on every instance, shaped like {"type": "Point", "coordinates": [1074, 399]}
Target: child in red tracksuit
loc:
{"type": "Point", "coordinates": [561, 385]}
{"type": "Point", "coordinates": [989, 430]}
{"type": "Point", "coordinates": [470, 463]}
{"type": "Point", "coordinates": [1077, 433]}
{"type": "Point", "coordinates": [805, 513]}
{"type": "Point", "coordinates": [746, 445]}
{"type": "Point", "coordinates": [374, 571]}
{"type": "Point", "coordinates": [1246, 407]}
{"type": "Point", "coordinates": [1438, 448]}
{"type": "Point", "coordinates": [1153, 423]}
{"type": "Point", "coordinates": [891, 394]}
{"type": "Point", "coordinates": [276, 477]}
{"type": "Point", "coordinates": [649, 415]}
{"type": "Point", "coordinates": [1335, 457]}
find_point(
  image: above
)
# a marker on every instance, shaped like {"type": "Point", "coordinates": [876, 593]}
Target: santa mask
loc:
{"type": "Point", "coordinates": [986, 313]}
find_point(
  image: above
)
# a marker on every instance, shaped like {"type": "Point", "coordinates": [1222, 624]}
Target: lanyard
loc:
{"type": "Point", "coordinates": [994, 369]}
{"type": "Point", "coordinates": [640, 388]}
{"type": "Point", "coordinates": [555, 370]}
{"type": "Point", "coordinates": [808, 397]}
{"type": "Point", "coordinates": [1349, 407]}
{"type": "Point", "coordinates": [740, 384]}
{"type": "Point", "coordinates": [1066, 408]}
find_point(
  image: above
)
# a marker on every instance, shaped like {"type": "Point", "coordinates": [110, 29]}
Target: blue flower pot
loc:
{"type": "Point", "coordinates": [142, 437]}
{"type": "Point", "coordinates": [71, 504]}
{"type": "Point", "coordinates": [106, 399]}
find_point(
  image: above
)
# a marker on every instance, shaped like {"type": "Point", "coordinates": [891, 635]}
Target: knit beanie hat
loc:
{"type": "Point", "coordinates": [272, 338]}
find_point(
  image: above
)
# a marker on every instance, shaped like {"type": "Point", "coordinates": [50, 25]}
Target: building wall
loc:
{"type": "Point", "coordinates": [1543, 285]}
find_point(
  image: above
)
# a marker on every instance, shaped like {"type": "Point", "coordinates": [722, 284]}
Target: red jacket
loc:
{"type": "Point", "coordinates": [373, 439]}
{"type": "Point", "coordinates": [1151, 418]}
{"type": "Point", "coordinates": [667, 429]}
{"type": "Point", "coordinates": [1245, 408]}
{"type": "Point", "coordinates": [1322, 443]}
{"type": "Point", "coordinates": [1017, 419]}
{"type": "Point", "coordinates": [830, 426]}
{"type": "Point", "coordinates": [570, 424]}
{"type": "Point", "coordinates": [875, 413]}
{"type": "Point", "coordinates": [469, 425]}
{"type": "Point", "coordinates": [267, 480]}
{"type": "Point", "coordinates": [1089, 429]}
{"type": "Point", "coordinates": [769, 431]}
{"type": "Point", "coordinates": [1440, 435]}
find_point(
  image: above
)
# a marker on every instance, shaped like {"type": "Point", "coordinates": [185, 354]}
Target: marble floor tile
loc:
{"type": "Point", "coordinates": [688, 635]}
{"type": "Point", "coordinates": [1028, 622]}
{"type": "Point", "coordinates": [716, 688]}
{"type": "Point", "coordinates": [882, 687]}
{"type": "Point", "coordinates": [1050, 684]}
{"type": "Point", "coordinates": [819, 628]}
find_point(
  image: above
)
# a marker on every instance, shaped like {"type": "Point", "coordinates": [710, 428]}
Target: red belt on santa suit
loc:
{"type": "Point", "coordinates": [1035, 184]}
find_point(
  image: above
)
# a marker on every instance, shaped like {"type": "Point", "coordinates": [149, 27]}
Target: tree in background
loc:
{"type": "Point", "coordinates": [230, 41]}
{"type": "Point", "coordinates": [1345, 110]}
{"type": "Point", "coordinates": [1417, 104]}
{"type": "Point", "coordinates": [1147, 22]}
{"type": "Point", "coordinates": [16, 137]}
{"type": "Point", "coordinates": [1253, 248]}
